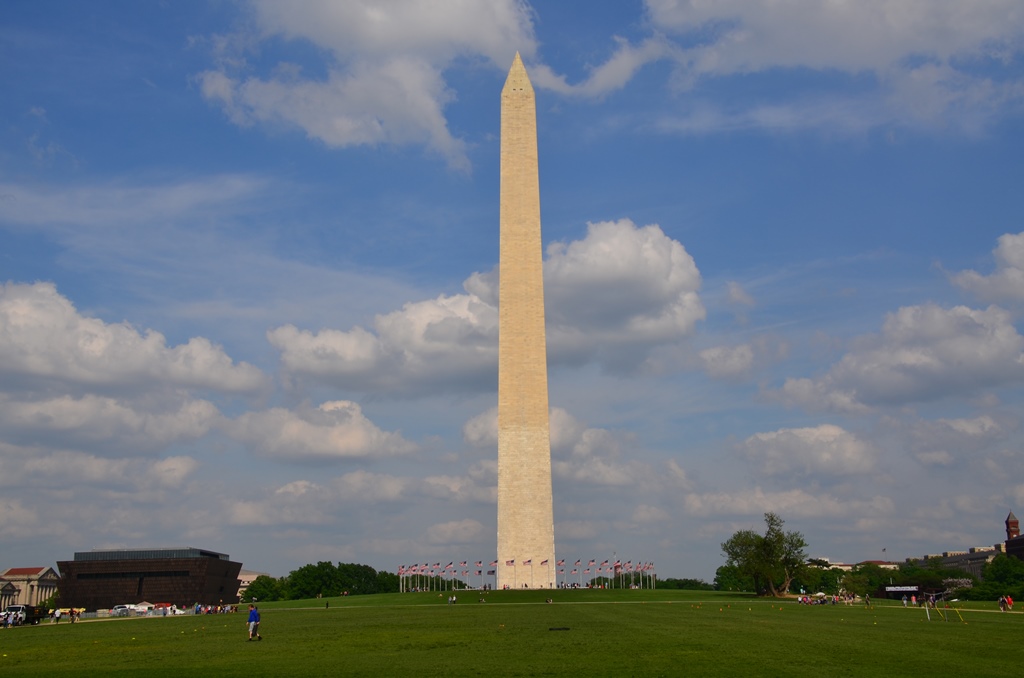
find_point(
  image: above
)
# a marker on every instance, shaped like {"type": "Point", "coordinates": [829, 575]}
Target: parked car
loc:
{"type": "Point", "coordinates": [121, 611]}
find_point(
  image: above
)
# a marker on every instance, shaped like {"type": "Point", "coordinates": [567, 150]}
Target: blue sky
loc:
{"type": "Point", "coordinates": [248, 259]}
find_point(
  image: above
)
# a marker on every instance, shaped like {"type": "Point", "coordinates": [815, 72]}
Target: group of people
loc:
{"type": "Point", "coordinates": [215, 609]}
{"type": "Point", "coordinates": [73, 615]}
{"type": "Point", "coordinates": [1005, 603]}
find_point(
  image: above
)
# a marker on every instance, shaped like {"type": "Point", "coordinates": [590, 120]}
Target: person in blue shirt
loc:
{"type": "Point", "coordinates": [254, 623]}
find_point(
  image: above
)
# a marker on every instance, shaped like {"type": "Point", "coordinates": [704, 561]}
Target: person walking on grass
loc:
{"type": "Point", "coordinates": [254, 623]}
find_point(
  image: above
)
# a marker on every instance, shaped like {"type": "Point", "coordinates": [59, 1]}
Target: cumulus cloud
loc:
{"type": "Point", "coordinates": [1006, 283]}
{"type": "Point", "coordinates": [448, 342]}
{"type": "Point", "coordinates": [384, 68]}
{"type": "Point", "coordinates": [923, 353]}
{"type": "Point", "coordinates": [307, 502]}
{"type": "Point", "coordinates": [334, 430]}
{"type": "Point", "coordinates": [581, 455]}
{"type": "Point", "coordinates": [609, 297]}
{"type": "Point", "coordinates": [620, 285]}
{"type": "Point", "coordinates": [923, 56]}
{"type": "Point", "coordinates": [57, 470]}
{"type": "Point", "coordinates": [944, 441]}
{"type": "Point", "coordinates": [45, 339]}
{"type": "Point", "coordinates": [824, 450]}
{"type": "Point", "coordinates": [104, 425]}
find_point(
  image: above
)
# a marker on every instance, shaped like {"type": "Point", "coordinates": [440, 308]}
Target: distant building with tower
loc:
{"type": "Point", "coordinates": [1014, 542]}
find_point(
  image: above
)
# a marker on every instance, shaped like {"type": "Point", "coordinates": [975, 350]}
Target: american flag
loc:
{"type": "Point", "coordinates": [560, 562]}
{"type": "Point", "coordinates": [528, 561]}
{"type": "Point", "coordinates": [479, 563]}
{"type": "Point", "coordinates": [604, 564]}
{"type": "Point", "coordinates": [561, 572]}
{"type": "Point", "coordinates": [591, 563]}
{"type": "Point", "coordinates": [493, 563]}
{"type": "Point", "coordinates": [462, 564]}
{"type": "Point", "coordinates": [490, 572]}
{"type": "Point", "coordinates": [586, 571]}
{"type": "Point", "coordinates": [510, 563]}
{"type": "Point", "coordinates": [449, 565]}
{"type": "Point", "coordinates": [573, 572]}
{"type": "Point", "coordinates": [577, 563]}
{"type": "Point", "coordinates": [544, 562]}
{"type": "Point", "coordinates": [479, 572]}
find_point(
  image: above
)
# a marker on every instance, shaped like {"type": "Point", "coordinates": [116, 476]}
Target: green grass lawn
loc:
{"type": "Point", "coordinates": [515, 633]}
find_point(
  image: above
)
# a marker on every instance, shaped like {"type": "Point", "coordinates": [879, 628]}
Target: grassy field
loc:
{"type": "Point", "coordinates": [515, 633]}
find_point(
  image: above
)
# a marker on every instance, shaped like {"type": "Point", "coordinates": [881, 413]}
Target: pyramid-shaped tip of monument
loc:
{"type": "Point", "coordinates": [517, 76]}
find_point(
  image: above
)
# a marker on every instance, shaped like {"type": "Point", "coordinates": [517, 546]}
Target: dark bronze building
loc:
{"type": "Point", "coordinates": [101, 579]}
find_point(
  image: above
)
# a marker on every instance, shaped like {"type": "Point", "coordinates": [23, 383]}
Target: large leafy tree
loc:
{"type": "Point", "coordinates": [264, 587]}
{"type": "Point", "coordinates": [771, 560]}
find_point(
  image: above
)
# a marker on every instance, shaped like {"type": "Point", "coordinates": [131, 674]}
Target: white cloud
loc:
{"type": "Point", "coordinates": [610, 76]}
{"type": "Point", "coordinates": [16, 520]}
{"type": "Point", "coordinates": [924, 353]}
{"type": "Point", "coordinates": [737, 295]}
{"type": "Point", "coordinates": [1007, 282]}
{"type": "Point", "coordinates": [620, 285]}
{"type": "Point", "coordinates": [334, 430]}
{"type": "Point", "coordinates": [60, 470]}
{"type": "Point", "coordinates": [925, 58]}
{"type": "Point", "coordinates": [384, 62]}
{"type": "Point", "coordinates": [944, 441]}
{"type": "Point", "coordinates": [103, 425]}
{"type": "Point", "coordinates": [45, 339]}
{"type": "Point", "coordinates": [749, 36]}
{"type": "Point", "coordinates": [455, 532]}
{"type": "Point", "coordinates": [609, 298]}
{"type": "Point", "coordinates": [824, 450]}
{"type": "Point", "coordinates": [727, 361]}
{"type": "Point", "coordinates": [791, 504]}
{"type": "Point", "coordinates": [645, 514]}
{"type": "Point", "coordinates": [444, 342]}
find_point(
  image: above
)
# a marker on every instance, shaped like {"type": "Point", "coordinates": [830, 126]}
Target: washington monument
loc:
{"type": "Point", "coordinates": [526, 531]}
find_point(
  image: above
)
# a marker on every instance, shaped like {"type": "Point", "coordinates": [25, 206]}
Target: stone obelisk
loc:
{"type": "Point", "coordinates": [526, 532]}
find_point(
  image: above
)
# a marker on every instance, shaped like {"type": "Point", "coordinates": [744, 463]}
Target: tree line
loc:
{"type": "Point", "coordinates": [776, 563]}
{"type": "Point", "coordinates": [323, 579]}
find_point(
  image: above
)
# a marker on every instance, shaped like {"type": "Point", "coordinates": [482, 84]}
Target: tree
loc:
{"type": "Point", "coordinates": [310, 581]}
{"type": "Point", "coordinates": [686, 584]}
{"type": "Point", "coordinates": [263, 588]}
{"type": "Point", "coordinates": [771, 560]}
{"type": "Point", "coordinates": [729, 578]}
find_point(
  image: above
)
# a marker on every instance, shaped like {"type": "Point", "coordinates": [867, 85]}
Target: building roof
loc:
{"type": "Point", "coordinates": [1011, 517]}
{"type": "Point", "coordinates": [22, 571]}
{"type": "Point", "coordinates": [148, 553]}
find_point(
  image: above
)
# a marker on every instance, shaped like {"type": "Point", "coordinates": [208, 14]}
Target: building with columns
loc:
{"type": "Point", "coordinates": [27, 585]}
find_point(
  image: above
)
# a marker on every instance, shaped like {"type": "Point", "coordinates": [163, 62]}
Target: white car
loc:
{"type": "Point", "coordinates": [121, 611]}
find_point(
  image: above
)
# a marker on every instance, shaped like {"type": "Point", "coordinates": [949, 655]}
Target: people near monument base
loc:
{"type": "Point", "coordinates": [904, 600]}
{"type": "Point", "coordinates": [254, 623]}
